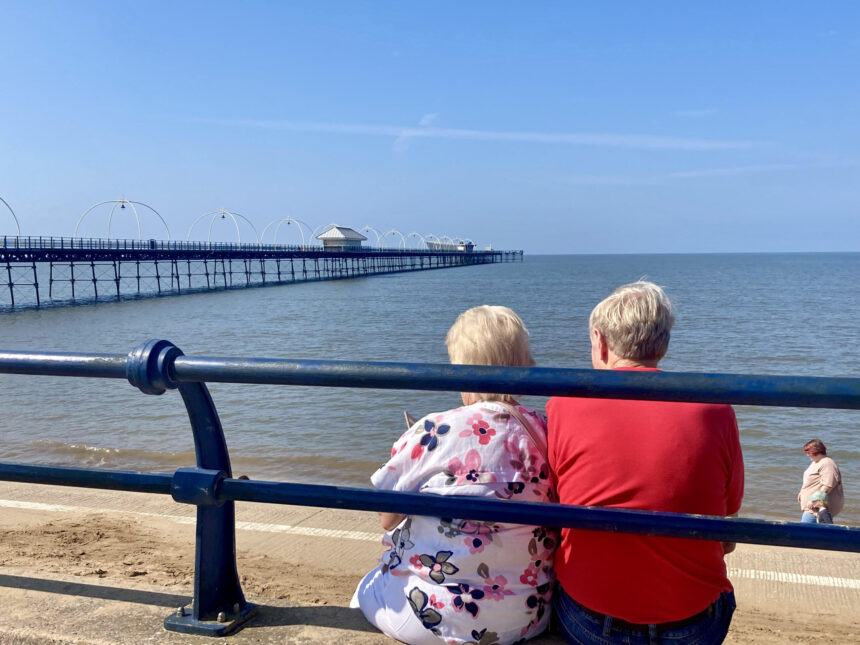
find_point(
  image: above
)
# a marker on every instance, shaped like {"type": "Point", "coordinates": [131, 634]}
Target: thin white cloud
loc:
{"type": "Point", "coordinates": [753, 169]}
{"type": "Point", "coordinates": [428, 119]}
{"type": "Point", "coordinates": [611, 180]}
{"type": "Point", "coordinates": [665, 178]}
{"type": "Point", "coordinates": [696, 114]}
{"type": "Point", "coordinates": [637, 141]}
{"type": "Point", "coordinates": [401, 143]}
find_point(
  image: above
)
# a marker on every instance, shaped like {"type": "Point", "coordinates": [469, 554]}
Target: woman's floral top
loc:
{"type": "Point", "coordinates": [476, 583]}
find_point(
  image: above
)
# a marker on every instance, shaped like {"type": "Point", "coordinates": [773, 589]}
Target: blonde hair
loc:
{"type": "Point", "coordinates": [489, 335]}
{"type": "Point", "coordinates": [636, 321]}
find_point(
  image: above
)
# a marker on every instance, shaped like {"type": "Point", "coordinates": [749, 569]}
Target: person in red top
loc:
{"type": "Point", "coordinates": [650, 455]}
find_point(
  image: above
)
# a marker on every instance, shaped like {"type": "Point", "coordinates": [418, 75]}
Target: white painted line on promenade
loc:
{"type": "Point", "coordinates": [36, 506]}
{"type": "Point", "coordinates": [795, 578]}
{"type": "Point", "coordinates": [310, 531]}
{"type": "Point", "coordinates": [307, 531]}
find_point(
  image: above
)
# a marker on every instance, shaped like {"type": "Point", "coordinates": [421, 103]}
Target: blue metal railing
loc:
{"type": "Point", "coordinates": [219, 606]}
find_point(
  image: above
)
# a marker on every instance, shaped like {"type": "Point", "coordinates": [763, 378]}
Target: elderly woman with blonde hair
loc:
{"type": "Point", "coordinates": [459, 581]}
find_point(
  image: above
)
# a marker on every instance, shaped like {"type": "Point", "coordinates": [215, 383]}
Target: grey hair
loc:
{"type": "Point", "coordinates": [489, 335]}
{"type": "Point", "coordinates": [636, 321]}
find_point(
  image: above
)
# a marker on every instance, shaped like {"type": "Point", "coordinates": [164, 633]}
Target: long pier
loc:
{"type": "Point", "coordinates": [92, 269]}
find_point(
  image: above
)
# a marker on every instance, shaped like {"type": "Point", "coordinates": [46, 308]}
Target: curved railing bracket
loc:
{"type": "Point", "coordinates": [219, 606]}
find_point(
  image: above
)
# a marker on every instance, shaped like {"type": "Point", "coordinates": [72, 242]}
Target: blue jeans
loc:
{"type": "Point", "coordinates": [582, 627]}
{"type": "Point", "coordinates": [823, 517]}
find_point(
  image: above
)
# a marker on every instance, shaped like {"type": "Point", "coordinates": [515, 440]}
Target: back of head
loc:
{"type": "Point", "coordinates": [636, 321]}
{"type": "Point", "coordinates": [489, 335]}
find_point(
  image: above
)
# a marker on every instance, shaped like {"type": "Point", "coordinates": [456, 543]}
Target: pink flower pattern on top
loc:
{"type": "Point", "coordinates": [460, 473]}
{"type": "Point", "coordinates": [469, 581]}
{"type": "Point", "coordinates": [480, 428]}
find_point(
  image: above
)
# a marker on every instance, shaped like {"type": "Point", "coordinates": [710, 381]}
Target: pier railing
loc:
{"type": "Point", "coordinates": [93, 269]}
{"type": "Point", "coordinates": [105, 244]}
{"type": "Point", "coordinates": [219, 606]}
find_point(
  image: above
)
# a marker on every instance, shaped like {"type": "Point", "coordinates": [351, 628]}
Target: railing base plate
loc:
{"type": "Point", "coordinates": [189, 625]}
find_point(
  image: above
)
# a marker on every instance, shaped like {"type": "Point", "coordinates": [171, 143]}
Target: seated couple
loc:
{"type": "Point", "coordinates": [457, 581]}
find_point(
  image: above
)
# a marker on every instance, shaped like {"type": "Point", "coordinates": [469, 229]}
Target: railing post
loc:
{"type": "Point", "coordinates": [219, 606]}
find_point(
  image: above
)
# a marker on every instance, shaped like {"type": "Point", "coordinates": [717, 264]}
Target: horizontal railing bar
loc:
{"type": "Point", "coordinates": [740, 389]}
{"type": "Point", "coordinates": [790, 391]}
{"type": "Point", "coordinates": [63, 364]}
{"type": "Point", "coordinates": [128, 480]}
{"type": "Point", "coordinates": [837, 538]}
{"type": "Point", "coordinates": [701, 527]}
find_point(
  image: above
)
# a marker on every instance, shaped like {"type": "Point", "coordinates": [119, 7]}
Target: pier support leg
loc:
{"type": "Point", "coordinates": [117, 272]}
{"type": "Point", "coordinates": [95, 281]}
{"type": "Point", "coordinates": [11, 284]}
{"type": "Point", "coordinates": [36, 284]}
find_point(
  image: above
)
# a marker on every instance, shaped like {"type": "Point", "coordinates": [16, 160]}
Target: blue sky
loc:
{"type": "Point", "coordinates": [555, 127]}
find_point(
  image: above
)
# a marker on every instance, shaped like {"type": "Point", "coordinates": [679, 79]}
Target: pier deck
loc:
{"type": "Point", "coordinates": [90, 567]}
{"type": "Point", "coordinates": [79, 269]}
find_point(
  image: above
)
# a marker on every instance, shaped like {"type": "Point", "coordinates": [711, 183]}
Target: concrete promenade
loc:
{"type": "Point", "coordinates": [85, 566]}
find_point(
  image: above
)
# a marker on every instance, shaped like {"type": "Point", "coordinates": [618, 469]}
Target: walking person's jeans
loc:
{"type": "Point", "coordinates": [823, 517]}
{"type": "Point", "coordinates": [581, 626]}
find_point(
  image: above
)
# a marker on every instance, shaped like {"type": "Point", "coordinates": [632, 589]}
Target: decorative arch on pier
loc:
{"type": "Point", "coordinates": [319, 230]}
{"type": "Point", "coordinates": [120, 203]}
{"type": "Point", "coordinates": [422, 243]}
{"type": "Point", "coordinates": [447, 240]}
{"type": "Point", "coordinates": [394, 231]}
{"type": "Point", "coordinates": [224, 214]}
{"type": "Point", "coordinates": [286, 220]}
{"type": "Point", "coordinates": [375, 232]}
{"type": "Point", "coordinates": [14, 217]}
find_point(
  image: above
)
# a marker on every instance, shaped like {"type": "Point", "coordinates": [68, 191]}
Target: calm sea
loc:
{"type": "Point", "coordinates": [754, 314]}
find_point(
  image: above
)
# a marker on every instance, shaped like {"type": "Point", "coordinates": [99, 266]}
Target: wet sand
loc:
{"type": "Point", "coordinates": [310, 560]}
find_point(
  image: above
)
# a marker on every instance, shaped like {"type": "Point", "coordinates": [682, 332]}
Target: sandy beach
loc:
{"type": "Point", "coordinates": [58, 544]}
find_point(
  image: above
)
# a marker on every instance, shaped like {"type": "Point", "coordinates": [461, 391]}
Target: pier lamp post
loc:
{"type": "Point", "coordinates": [224, 214]}
{"type": "Point", "coordinates": [320, 229]}
{"type": "Point", "coordinates": [121, 204]}
{"type": "Point", "coordinates": [288, 220]}
{"type": "Point", "coordinates": [394, 231]}
{"type": "Point", "coordinates": [17, 225]}
{"type": "Point", "coordinates": [375, 232]}
{"type": "Point", "coordinates": [420, 237]}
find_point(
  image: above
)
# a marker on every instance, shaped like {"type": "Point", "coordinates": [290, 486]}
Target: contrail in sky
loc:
{"type": "Point", "coordinates": [573, 138]}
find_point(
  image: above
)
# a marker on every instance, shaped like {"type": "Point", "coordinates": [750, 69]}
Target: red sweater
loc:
{"type": "Point", "coordinates": [651, 455]}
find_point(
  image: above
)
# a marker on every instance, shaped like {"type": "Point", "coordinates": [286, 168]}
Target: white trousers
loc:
{"type": "Point", "coordinates": [382, 600]}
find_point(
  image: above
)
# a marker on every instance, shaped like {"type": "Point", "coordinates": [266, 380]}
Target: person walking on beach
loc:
{"type": "Point", "coordinates": [650, 455]}
{"type": "Point", "coordinates": [822, 486]}
{"type": "Point", "coordinates": [458, 581]}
